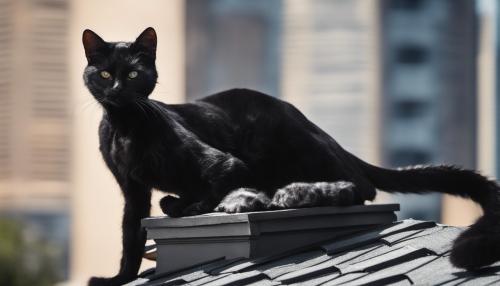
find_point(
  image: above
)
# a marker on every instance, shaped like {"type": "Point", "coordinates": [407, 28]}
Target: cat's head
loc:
{"type": "Point", "coordinates": [120, 72]}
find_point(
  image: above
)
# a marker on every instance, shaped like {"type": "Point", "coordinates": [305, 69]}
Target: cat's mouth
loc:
{"type": "Point", "coordinates": [107, 102]}
{"type": "Point", "coordinates": [121, 101]}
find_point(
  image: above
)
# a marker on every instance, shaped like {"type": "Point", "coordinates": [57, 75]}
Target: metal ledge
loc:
{"type": "Point", "coordinates": [186, 241]}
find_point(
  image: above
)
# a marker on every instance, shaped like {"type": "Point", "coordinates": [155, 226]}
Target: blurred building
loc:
{"type": "Point", "coordinates": [330, 69]}
{"type": "Point", "coordinates": [232, 44]}
{"type": "Point", "coordinates": [35, 121]}
{"type": "Point", "coordinates": [429, 89]}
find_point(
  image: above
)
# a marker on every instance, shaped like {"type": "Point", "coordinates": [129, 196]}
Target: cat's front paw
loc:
{"type": "Point", "coordinates": [198, 208]}
{"type": "Point", "coordinates": [302, 195]}
{"type": "Point", "coordinates": [111, 281]}
{"type": "Point", "coordinates": [346, 194]}
{"type": "Point", "coordinates": [243, 200]}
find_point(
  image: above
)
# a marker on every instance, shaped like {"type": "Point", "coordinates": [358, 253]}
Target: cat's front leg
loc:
{"type": "Point", "coordinates": [301, 195]}
{"type": "Point", "coordinates": [223, 173]}
{"type": "Point", "coordinates": [137, 206]}
{"type": "Point", "coordinates": [111, 281]}
{"type": "Point", "coordinates": [201, 207]}
{"type": "Point", "coordinates": [177, 207]}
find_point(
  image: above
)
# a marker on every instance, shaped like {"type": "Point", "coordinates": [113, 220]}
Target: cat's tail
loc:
{"type": "Point", "coordinates": [479, 245]}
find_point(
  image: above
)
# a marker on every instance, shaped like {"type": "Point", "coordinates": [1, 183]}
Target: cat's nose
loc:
{"type": "Point", "coordinates": [115, 89]}
{"type": "Point", "coordinates": [117, 85]}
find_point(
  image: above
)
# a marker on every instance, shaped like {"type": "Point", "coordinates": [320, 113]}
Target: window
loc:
{"type": "Point", "coordinates": [405, 157]}
{"type": "Point", "coordinates": [407, 4]}
{"type": "Point", "coordinates": [411, 54]}
{"type": "Point", "coordinates": [409, 109]}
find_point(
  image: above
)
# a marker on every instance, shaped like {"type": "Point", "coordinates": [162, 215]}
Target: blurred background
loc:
{"type": "Point", "coordinates": [396, 82]}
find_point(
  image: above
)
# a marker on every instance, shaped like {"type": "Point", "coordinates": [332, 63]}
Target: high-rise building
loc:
{"type": "Point", "coordinates": [429, 89]}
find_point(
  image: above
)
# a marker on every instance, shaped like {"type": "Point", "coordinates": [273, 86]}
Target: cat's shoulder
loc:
{"type": "Point", "coordinates": [242, 99]}
{"type": "Point", "coordinates": [106, 132]}
{"type": "Point", "coordinates": [105, 127]}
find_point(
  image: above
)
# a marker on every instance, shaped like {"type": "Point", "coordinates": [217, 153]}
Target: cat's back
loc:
{"type": "Point", "coordinates": [246, 106]}
{"type": "Point", "coordinates": [244, 101]}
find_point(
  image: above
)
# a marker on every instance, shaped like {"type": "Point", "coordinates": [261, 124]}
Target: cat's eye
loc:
{"type": "Point", "coordinates": [105, 75]}
{"type": "Point", "coordinates": [133, 74]}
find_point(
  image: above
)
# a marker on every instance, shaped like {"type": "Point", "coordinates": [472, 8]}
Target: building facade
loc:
{"type": "Point", "coordinates": [428, 50]}
{"type": "Point", "coordinates": [35, 124]}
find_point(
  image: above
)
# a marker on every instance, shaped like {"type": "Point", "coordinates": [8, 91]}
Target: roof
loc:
{"type": "Point", "coordinates": [401, 253]}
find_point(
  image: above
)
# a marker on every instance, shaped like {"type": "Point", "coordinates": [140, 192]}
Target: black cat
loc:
{"type": "Point", "coordinates": [241, 150]}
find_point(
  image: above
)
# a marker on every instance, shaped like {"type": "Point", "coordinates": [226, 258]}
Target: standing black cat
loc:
{"type": "Point", "coordinates": [242, 150]}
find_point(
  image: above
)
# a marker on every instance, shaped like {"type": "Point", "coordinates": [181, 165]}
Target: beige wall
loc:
{"type": "Point", "coordinates": [96, 199]}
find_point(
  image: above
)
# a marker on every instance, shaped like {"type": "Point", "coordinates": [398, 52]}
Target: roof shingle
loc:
{"type": "Point", "coordinates": [403, 253]}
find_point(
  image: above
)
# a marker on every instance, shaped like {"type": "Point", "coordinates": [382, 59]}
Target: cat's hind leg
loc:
{"type": "Point", "coordinates": [302, 195]}
{"type": "Point", "coordinates": [244, 200]}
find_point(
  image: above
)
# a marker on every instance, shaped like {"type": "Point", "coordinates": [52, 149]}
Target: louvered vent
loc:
{"type": "Point", "coordinates": [5, 85]}
{"type": "Point", "coordinates": [50, 138]}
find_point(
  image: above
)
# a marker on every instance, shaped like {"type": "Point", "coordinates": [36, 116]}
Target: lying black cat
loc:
{"type": "Point", "coordinates": [241, 150]}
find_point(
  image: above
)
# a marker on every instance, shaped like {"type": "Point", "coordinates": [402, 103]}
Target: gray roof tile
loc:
{"type": "Point", "coordinates": [492, 279]}
{"type": "Point", "coordinates": [356, 240]}
{"type": "Point", "coordinates": [319, 280]}
{"type": "Point", "coordinates": [237, 279]}
{"type": "Point", "coordinates": [216, 268]}
{"type": "Point", "coordinates": [394, 273]}
{"type": "Point", "coordinates": [399, 283]}
{"type": "Point", "coordinates": [269, 263]}
{"type": "Point", "coordinates": [390, 279]}
{"type": "Point", "coordinates": [264, 282]}
{"type": "Point", "coordinates": [200, 271]}
{"type": "Point", "coordinates": [438, 271]}
{"type": "Point", "coordinates": [439, 242]}
{"type": "Point", "coordinates": [344, 278]}
{"type": "Point", "coordinates": [208, 279]}
{"type": "Point", "coordinates": [286, 265]}
{"type": "Point", "coordinates": [308, 272]}
{"type": "Point", "coordinates": [410, 234]}
{"type": "Point", "coordinates": [388, 259]}
{"type": "Point", "coordinates": [361, 254]}
{"type": "Point", "coordinates": [405, 253]}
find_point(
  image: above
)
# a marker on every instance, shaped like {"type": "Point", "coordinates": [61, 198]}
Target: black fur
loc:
{"type": "Point", "coordinates": [247, 142]}
{"type": "Point", "coordinates": [303, 195]}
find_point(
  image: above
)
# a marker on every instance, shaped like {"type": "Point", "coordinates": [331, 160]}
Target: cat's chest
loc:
{"type": "Point", "coordinates": [120, 150]}
{"type": "Point", "coordinates": [132, 157]}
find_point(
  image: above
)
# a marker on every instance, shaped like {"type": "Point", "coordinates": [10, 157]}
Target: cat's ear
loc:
{"type": "Point", "coordinates": [93, 44]}
{"type": "Point", "coordinates": [146, 42]}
